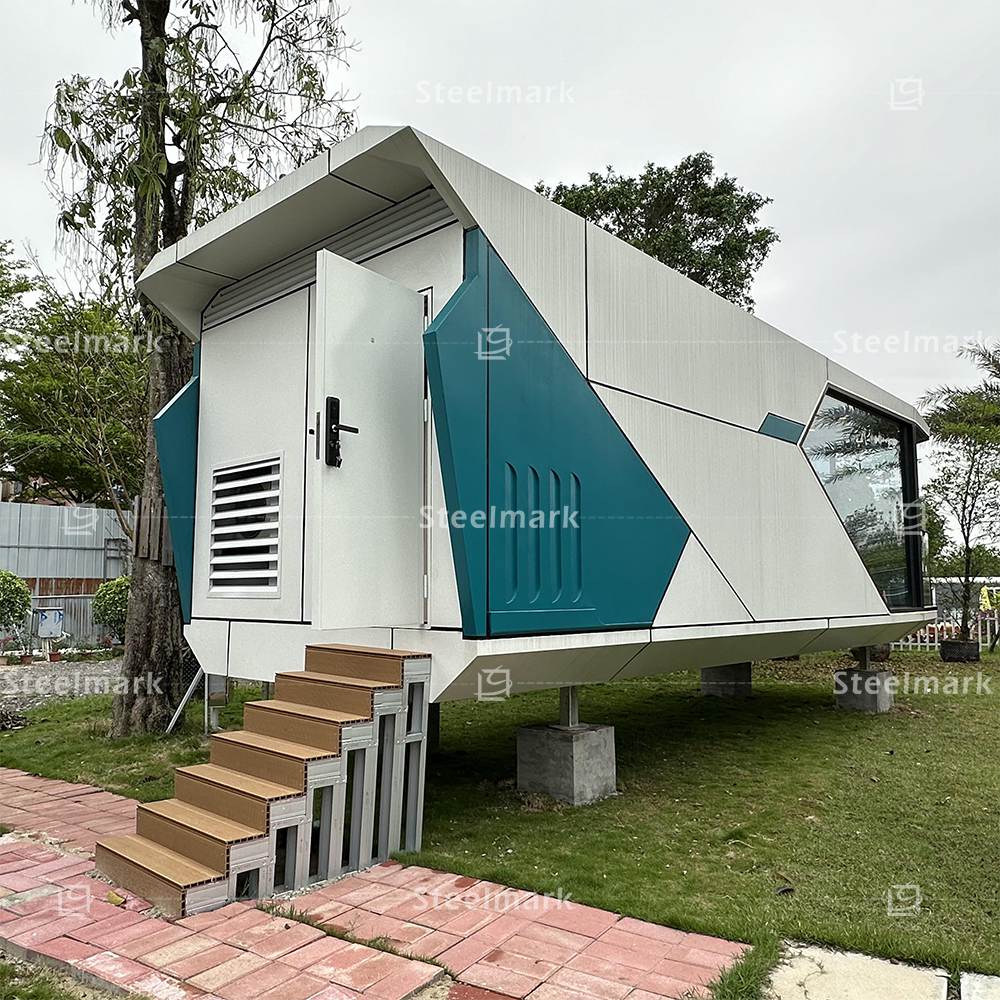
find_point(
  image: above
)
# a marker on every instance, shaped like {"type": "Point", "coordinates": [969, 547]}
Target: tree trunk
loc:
{"type": "Point", "coordinates": [965, 629]}
{"type": "Point", "coordinates": [154, 629]}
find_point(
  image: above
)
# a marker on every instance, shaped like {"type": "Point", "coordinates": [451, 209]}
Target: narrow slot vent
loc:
{"type": "Point", "coordinates": [246, 512]}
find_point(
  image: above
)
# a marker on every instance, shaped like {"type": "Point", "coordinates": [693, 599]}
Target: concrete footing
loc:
{"type": "Point", "coordinates": [731, 681]}
{"type": "Point", "coordinates": [574, 764]}
{"type": "Point", "coordinates": [859, 690]}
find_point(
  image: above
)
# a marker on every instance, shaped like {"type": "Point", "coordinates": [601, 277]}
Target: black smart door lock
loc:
{"type": "Point", "coordinates": [333, 429]}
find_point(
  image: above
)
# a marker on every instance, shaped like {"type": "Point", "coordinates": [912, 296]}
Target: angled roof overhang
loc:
{"type": "Point", "coordinates": [541, 243]}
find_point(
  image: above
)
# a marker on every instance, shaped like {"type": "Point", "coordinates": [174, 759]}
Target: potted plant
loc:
{"type": "Point", "coordinates": [15, 605]}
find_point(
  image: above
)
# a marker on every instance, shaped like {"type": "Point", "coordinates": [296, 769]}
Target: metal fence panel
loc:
{"type": "Point", "coordinates": [40, 542]}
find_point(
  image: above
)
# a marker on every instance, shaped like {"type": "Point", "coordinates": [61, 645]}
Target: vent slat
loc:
{"type": "Point", "coordinates": [256, 481]}
{"type": "Point", "coordinates": [420, 214]}
{"type": "Point", "coordinates": [246, 507]}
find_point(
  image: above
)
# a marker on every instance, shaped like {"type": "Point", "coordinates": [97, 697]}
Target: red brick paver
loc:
{"type": "Point", "coordinates": [72, 815]}
{"type": "Point", "coordinates": [499, 942]}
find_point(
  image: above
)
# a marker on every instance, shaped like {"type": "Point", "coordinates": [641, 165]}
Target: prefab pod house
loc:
{"type": "Point", "coordinates": [445, 436]}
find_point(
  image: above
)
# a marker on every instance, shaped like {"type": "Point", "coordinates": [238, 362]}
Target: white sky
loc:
{"type": "Point", "coordinates": [888, 218]}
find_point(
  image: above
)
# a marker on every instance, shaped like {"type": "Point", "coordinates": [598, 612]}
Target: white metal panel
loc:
{"type": "Point", "coordinates": [654, 332]}
{"type": "Point", "coordinates": [716, 645]}
{"type": "Point", "coordinates": [756, 504]}
{"type": "Point", "coordinates": [540, 242]}
{"type": "Point", "coordinates": [845, 633]}
{"type": "Point", "coordinates": [433, 262]}
{"type": "Point", "coordinates": [209, 640]}
{"type": "Point", "coordinates": [258, 650]}
{"type": "Point", "coordinates": [365, 529]}
{"type": "Point", "coordinates": [698, 594]}
{"type": "Point", "coordinates": [854, 385]}
{"type": "Point", "coordinates": [252, 406]}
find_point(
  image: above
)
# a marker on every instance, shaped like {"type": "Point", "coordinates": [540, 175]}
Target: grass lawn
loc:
{"type": "Point", "coordinates": [24, 982]}
{"type": "Point", "coordinates": [777, 817]}
{"type": "Point", "coordinates": [68, 739]}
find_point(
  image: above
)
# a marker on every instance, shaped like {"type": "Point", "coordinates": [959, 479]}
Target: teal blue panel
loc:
{"type": "Point", "coordinates": [556, 523]}
{"type": "Point", "coordinates": [782, 428]}
{"type": "Point", "coordinates": [582, 535]}
{"type": "Point", "coordinates": [458, 395]}
{"type": "Point", "coordinates": [176, 427]}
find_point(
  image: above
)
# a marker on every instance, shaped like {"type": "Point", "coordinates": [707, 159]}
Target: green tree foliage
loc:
{"type": "Point", "coordinates": [225, 95]}
{"type": "Point", "coordinates": [705, 226]}
{"type": "Point", "coordinates": [15, 603]}
{"type": "Point", "coordinates": [965, 423]}
{"type": "Point", "coordinates": [961, 412]}
{"type": "Point", "coordinates": [111, 605]}
{"type": "Point", "coordinates": [72, 404]}
{"type": "Point", "coordinates": [967, 491]}
{"type": "Point", "coordinates": [14, 286]}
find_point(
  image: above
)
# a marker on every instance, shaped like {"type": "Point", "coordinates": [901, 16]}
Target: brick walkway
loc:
{"type": "Point", "coordinates": [497, 941]}
{"type": "Point", "coordinates": [73, 815]}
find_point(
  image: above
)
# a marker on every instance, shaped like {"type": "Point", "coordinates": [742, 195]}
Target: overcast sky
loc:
{"type": "Point", "coordinates": [873, 126]}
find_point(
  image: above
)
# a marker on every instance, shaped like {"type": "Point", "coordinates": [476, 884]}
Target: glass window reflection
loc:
{"type": "Point", "coordinates": [858, 456]}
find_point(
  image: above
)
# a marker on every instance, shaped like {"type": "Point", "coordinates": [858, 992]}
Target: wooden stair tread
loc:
{"type": "Point", "coordinates": [160, 861]}
{"type": "Point", "coordinates": [322, 714]}
{"type": "Point", "coordinates": [338, 679]}
{"type": "Point", "coordinates": [258, 788]}
{"type": "Point", "coordinates": [285, 748]}
{"type": "Point", "coordinates": [394, 654]}
{"type": "Point", "coordinates": [202, 821]}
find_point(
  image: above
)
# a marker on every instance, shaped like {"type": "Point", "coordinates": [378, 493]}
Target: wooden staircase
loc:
{"type": "Point", "coordinates": [326, 777]}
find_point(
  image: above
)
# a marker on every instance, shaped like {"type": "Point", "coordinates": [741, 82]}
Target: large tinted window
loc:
{"type": "Point", "coordinates": [859, 456]}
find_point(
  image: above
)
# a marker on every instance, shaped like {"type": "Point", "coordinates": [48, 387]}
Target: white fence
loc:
{"type": "Point", "coordinates": [945, 596]}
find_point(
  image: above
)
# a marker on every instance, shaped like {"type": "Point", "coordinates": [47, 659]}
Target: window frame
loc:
{"type": "Point", "coordinates": [912, 516]}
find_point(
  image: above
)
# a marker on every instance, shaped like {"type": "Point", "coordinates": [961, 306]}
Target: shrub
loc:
{"type": "Point", "coordinates": [111, 605]}
{"type": "Point", "coordinates": [15, 603]}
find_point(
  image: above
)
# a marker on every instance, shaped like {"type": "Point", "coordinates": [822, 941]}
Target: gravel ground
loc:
{"type": "Point", "coordinates": [23, 686]}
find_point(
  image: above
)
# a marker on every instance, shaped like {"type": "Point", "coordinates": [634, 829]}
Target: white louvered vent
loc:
{"type": "Point", "coordinates": [419, 215]}
{"type": "Point", "coordinates": [246, 511]}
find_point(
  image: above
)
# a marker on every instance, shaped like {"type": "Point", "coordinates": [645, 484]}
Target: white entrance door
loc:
{"type": "Point", "coordinates": [365, 530]}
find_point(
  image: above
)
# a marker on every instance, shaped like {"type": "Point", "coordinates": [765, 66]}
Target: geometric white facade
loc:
{"type": "Point", "coordinates": [353, 278]}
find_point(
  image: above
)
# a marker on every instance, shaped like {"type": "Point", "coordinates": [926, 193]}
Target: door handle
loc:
{"type": "Point", "coordinates": [334, 428]}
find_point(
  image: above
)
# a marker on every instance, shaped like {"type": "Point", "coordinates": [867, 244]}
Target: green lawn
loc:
{"type": "Point", "coordinates": [68, 739]}
{"type": "Point", "coordinates": [777, 817]}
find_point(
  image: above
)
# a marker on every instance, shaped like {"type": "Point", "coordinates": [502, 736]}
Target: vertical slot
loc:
{"type": "Point", "coordinates": [284, 858]}
{"type": "Point", "coordinates": [510, 537]}
{"type": "Point", "coordinates": [575, 541]}
{"type": "Point", "coordinates": [321, 825]}
{"type": "Point", "coordinates": [383, 789]}
{"type": "Point", "coordinates": [534, 536]}
{"type": "Point", "coordinates": [354, 808]}
{"type": "Point", "coordinates": [415, 708]}
{"type": "Point", "coordinates": [411, 796]}
{"type": "Point", "coordinates": [248, 884]}
{"type": "Point", "coordinates": [555, 536]}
